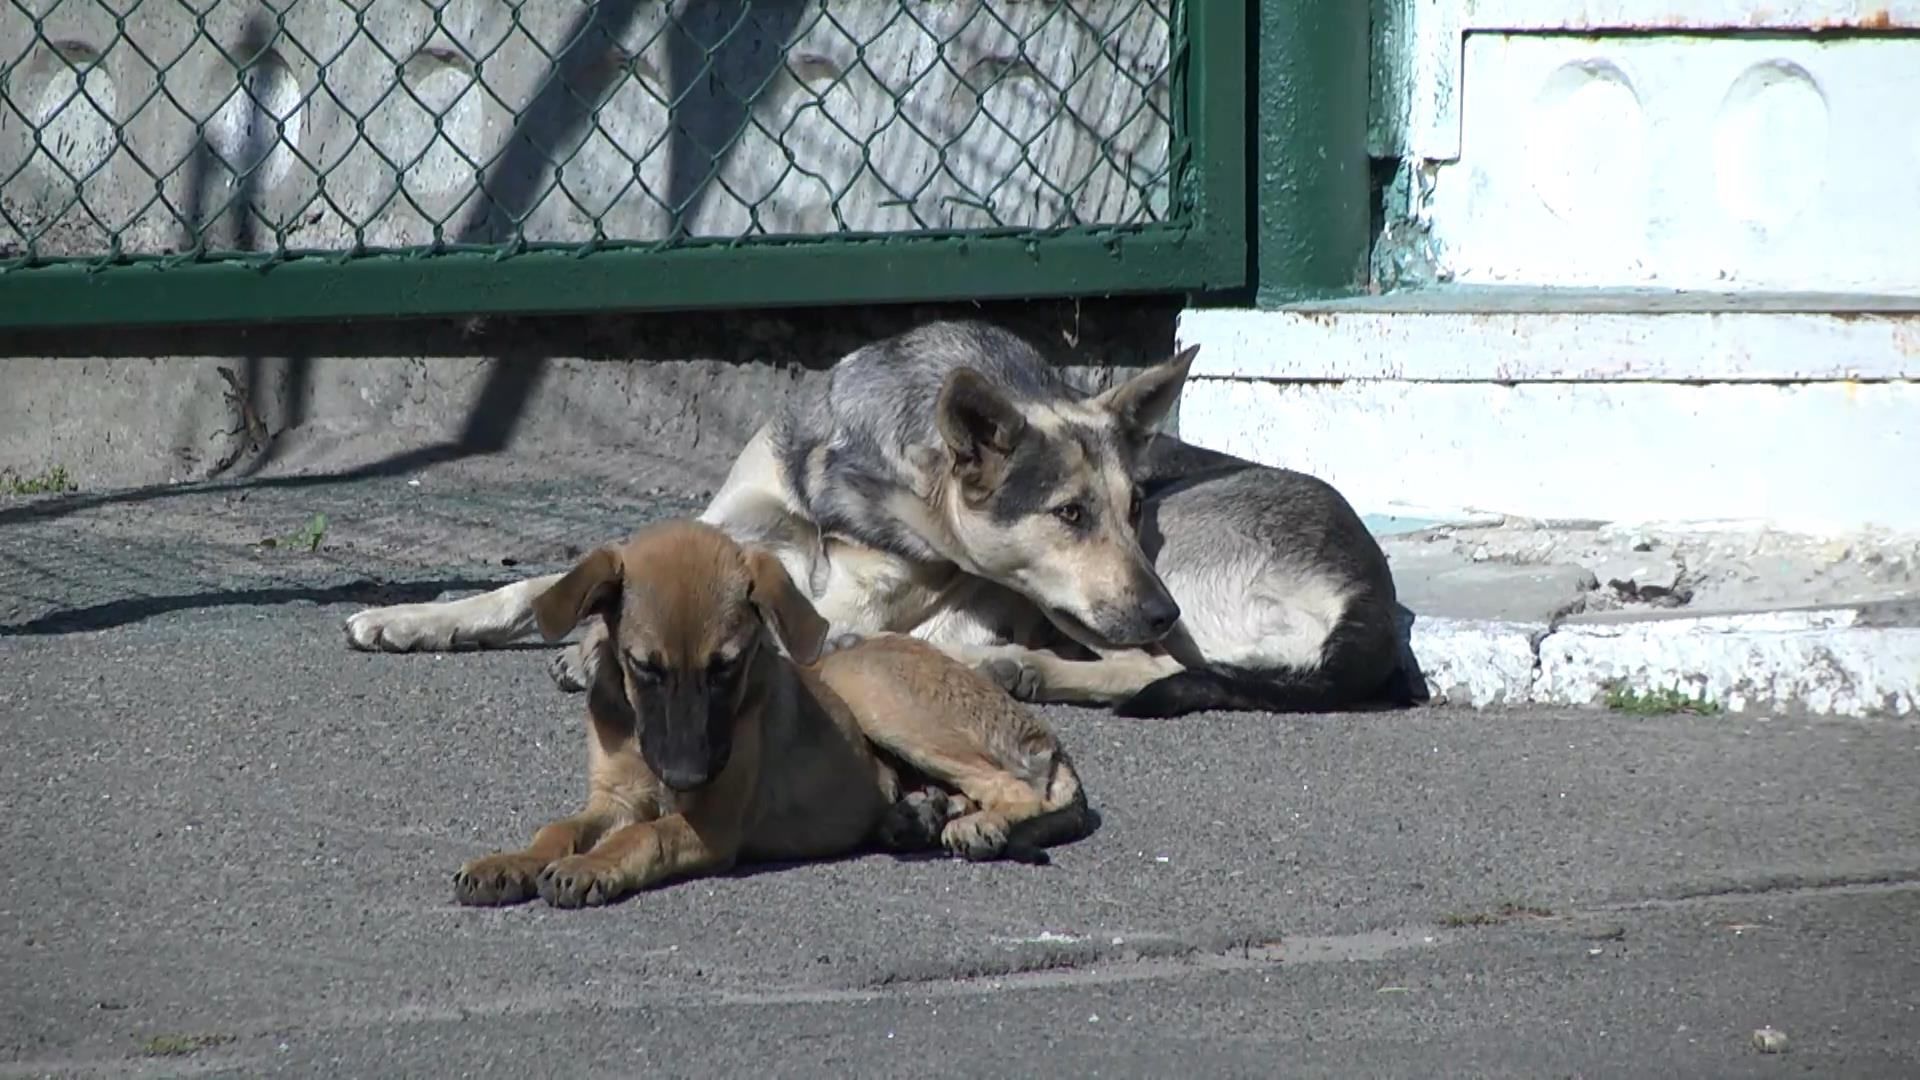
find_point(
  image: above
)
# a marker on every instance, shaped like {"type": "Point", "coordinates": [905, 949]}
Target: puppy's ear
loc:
{"type": "Point", "coordinates": [590, 588]}
{"type": "Point", "coordinates": [980, 426]}
{"type": "Point", "coordinates": [1142, 402]}
{"type": "Point", "coordinates": [784, 607]}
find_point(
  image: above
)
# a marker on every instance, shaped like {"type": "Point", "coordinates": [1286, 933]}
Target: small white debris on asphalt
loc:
{"type": "Point", "coordinates": [1770, 1041]}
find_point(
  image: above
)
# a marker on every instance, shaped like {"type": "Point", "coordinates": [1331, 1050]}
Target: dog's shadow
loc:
{"type": "Point", "coordinates": [1039, 857]}
{"type": "Point", "coordinates": [1410, 681]}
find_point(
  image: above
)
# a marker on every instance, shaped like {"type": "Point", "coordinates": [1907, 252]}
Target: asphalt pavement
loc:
{"type": "Point", "coordinates": [230, 839]}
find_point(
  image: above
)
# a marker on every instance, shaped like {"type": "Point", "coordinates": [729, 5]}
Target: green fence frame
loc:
{"type": "Point", "coordinates": [1268, 182]}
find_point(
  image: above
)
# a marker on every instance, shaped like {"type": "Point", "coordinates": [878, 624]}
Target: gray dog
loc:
{"type": "Point", "coordinates": [949, 484]}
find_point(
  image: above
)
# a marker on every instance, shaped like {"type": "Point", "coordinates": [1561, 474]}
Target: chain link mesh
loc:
{"type": "Point", "coordinates": [141, 130]}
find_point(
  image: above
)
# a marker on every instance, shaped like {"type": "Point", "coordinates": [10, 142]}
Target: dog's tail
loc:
{"type": "Point", "coordinates": [1067, 816]}
{"type": "Point", "coordinates": [1285, 691]}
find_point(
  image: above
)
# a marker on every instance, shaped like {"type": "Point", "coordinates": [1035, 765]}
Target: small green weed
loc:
{"type": "Point", "coordinates": [182, 1045]}
{"type": "Point", "coordinates": [1663, 702]}
{"type": "Point", "coordinates": [52, 482]}
{"type": "Point", "coordinates": [306, 538]}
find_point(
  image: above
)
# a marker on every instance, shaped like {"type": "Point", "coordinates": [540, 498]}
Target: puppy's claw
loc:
{"type": "Point", "coordinates": [495, 880]}
{"type": "Point", "coordinates": [575, 883]}
{"type": "Point", "coordinates": [978, 837]}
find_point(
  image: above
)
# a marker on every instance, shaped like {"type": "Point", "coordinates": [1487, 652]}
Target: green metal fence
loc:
{"type": "Point", "coordinates": [232, 160]}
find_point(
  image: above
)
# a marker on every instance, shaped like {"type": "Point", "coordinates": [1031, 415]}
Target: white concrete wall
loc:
{"type": "Point", "coordinates": [1666, 260]}
{"type": "Point", "coordinates": [1806, 421]}
{"type": "Point", "coordinates": [882, 117]}
{"type": "Point", "coordinates": [1722, 145]}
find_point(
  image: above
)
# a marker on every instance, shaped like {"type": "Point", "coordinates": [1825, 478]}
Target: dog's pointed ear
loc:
{"type": "Point", "coordinates": [590, 588]}
{"type": "Point", "coordinates": [1142, 402]}
{"type": "Point", "coordinates": [801, 630]}
{"type": "Point", "coordinates": [980, 427]}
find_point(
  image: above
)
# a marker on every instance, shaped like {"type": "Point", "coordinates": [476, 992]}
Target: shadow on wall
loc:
{"type": "Point", "coordinates": [712, 74]}
{"type": "Point", "coordinates": [222, 212]}
{"type": "Point", "coordinates": [1123, 334]}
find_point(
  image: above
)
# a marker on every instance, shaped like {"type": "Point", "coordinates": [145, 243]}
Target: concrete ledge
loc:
{"type": "Point", "coordinates": [1462, 335]}
{"type": "Point", "coordinates": [1576, 404]}
{"type": "Point", "coordinates": [1831, 661]}
{"type": "Point", "coordinates": [1478, 662]}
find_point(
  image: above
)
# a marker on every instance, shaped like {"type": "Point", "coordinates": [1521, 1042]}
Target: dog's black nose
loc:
{"type": "Point", "coordinates": [1161, 613]}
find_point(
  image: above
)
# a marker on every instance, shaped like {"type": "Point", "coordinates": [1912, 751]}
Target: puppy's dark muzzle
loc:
{"type": "Point", "coordinates": [687, 742]}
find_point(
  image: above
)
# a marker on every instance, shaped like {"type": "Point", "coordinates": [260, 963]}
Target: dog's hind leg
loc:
{"type": "Point", "coordinates": [489, 619]}
{"type": "Point", "coordinates": [999, 802]}
{"type": "Point", "coordinates": [510, 877]}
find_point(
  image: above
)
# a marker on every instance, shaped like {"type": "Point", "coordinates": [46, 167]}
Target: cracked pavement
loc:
{"type": "Point", "coordinates": [230, 840]}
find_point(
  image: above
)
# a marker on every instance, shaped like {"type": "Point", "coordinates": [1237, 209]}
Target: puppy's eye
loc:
{"type": "Point", "coordinates": [1070, 513]}
{"type": "Point", "coordinates": [644, 670]}
{"type": "Point", "coordinates": [1135, 505]}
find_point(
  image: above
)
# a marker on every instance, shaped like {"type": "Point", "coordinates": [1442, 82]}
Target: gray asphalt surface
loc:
{"type": "Point", "coordinates": [229, 837]}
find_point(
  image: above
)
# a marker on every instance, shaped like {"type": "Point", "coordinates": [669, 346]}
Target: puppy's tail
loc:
{"type": "Point", "coordinates": [1286, 691]}
{"type": "Point", "coordinates": [1067, 816]}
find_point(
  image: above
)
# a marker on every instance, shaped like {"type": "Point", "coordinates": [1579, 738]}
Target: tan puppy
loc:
{"type": "Point", "coordinates": [706, 746]}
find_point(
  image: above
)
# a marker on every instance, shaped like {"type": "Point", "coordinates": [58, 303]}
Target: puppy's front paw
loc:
{"type": "Point", "coordinates": [398, 628]}
{"type": "Point", "coordinates": [1021, 680]}
{"type": "Point", "coordinates": [579, 881]}
{"type": "Point", "coordinates": [493, 880]}
{"type": "Point", "coordinates": [980, 835]}
{"type": "Point", "coordinates": [572, 669]}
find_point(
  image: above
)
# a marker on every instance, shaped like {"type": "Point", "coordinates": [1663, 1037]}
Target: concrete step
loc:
{"type": "Point", "coordinates": [1794, 411]}
{"type": "Point", "coordinates": [1740, 621]}
{"type": "Point", "coordinates": [1861, 661]}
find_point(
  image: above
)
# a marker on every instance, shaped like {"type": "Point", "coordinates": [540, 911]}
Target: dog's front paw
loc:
{"type": "Point", "coordinates": [398, 628]}
{"type": "Point", "coordinates": [980, 835]}
{"type": "Point", "coordinates": [572, 669]}
{"type": "Point", "coordinates": [580, 881]}
{"type": "Point", "coordinates": [1019, 679]}
{"type": "Point", "coordinates": [839, 644]}
{"type": "Point", "coordinates": [497, 879]}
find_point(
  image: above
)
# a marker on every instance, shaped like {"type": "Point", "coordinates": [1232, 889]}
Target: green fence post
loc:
{"type": "Point", "coordinates": [1312, 220]}
{"type": "Point", "coordinates": [1216, 110]}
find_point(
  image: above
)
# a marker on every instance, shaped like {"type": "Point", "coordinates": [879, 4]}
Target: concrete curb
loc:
{"type": "Point", "coordinates": [1835, 661]}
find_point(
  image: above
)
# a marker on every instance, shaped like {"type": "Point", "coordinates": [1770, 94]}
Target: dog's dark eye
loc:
{"type": "Point", "coordinates": [645, 670]}
{"type": "Point", "coordinates": [1070, 513]}
{"type": "Point", "coordinates": [721, 667]}
{"type": "Point", "coordinates": [1135, 505]}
